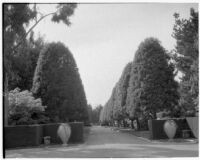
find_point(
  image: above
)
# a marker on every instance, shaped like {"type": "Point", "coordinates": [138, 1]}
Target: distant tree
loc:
{"type": "Point", "coordinates": [153, 87]}
{"type": "Point", "coordinates": [114, 109]}
{"type": "Point", "coordinates": [89, 109]}
{"type": "Point", "coordinates": [187, 59]}
{"type": "Point", "coordinates": [119, 110]}
{"type": "Point", "coordinates": [58, 83]}
{"type": "Point", "coordinates": [133, 95]}
{"type": "Point", "coordinates": [96, 114]}
{"type": "Point", "coordinates": [106, 115]}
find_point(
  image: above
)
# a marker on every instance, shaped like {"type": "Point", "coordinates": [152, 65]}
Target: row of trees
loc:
{"type": "Point", "coordinates": [46, 71]}
{"type": "Point", "coordinates": [148, 85]}
{"type": "Point", "coordinates": [94, 114]}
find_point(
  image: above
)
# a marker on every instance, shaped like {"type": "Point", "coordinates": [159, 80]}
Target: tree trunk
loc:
{"type": "Point", "coordinates": [124, 125]}
{"type": "Point", "coordinates": [5, 99]}
{"type": "Point", "coordinates": [132, 126]}
{"type": "Point", "coordinates": [138, 124]}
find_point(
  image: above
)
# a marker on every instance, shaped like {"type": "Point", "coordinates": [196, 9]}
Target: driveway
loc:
{"type": "Point", "coordinates": [102, 142]}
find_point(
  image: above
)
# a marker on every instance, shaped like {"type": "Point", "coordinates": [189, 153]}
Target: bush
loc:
{"type": "Point", "coordinates": [25, 109]}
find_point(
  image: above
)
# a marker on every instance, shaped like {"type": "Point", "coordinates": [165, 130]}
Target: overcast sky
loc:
{"type": "Point", "coordinates": [104, 37]}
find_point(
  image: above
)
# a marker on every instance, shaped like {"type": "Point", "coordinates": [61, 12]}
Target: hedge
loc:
{"type": "Point", "coordinates": [23, 136]}
{"type": "Point", "coordinates": [32, 135]}
{"type": "Point", "coordinates": [77, 132]}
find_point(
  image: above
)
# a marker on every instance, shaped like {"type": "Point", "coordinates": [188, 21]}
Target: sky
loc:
{"type": "Point", "coordinates": [103, 38]}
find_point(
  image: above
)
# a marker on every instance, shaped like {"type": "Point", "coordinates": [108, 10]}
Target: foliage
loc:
{"type": "Point", "coordinates": [58, 83]}
{"type": "Point", "coordinates": [106, 115]}
{"type": "Point", "coordinates": [115, 107]}
{"type": "Point", "coordinates": [64, 12]}
{"type": "Point", "coordinates": [16, 19]}
{"type": "Point", "coordinates": [120, 95]}
{"type": "Point", "coordinates": [132, 100]}
{"type": "Point", "coordinates": [153, 84]}
{"type": "Point", "coordinates": [89, 110]}
{"type": "Point", "coordinates": [25, 109]}
{"type": "Point", "coordinates": [24, 64]}
{"type": "Point", "coordinates": [146, 86]}
{"type": "Point", "coordinates": [187, 59]}
{"type": "Point", "coordinates": [96, 114]}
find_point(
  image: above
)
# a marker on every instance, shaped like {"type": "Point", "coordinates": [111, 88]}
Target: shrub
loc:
{"type": "Point", "coordinates": [25, 109]}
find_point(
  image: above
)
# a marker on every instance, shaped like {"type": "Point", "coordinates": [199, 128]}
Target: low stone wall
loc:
{"type": "Point", "coordinates": [157, 131]}
{"type": "Point", "coordinates": [32, 135]}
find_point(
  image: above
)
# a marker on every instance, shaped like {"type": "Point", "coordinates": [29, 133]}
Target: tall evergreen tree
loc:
{"type": "Point", "coordinates": [152, 85]}
{"type": "Point", "coordinates": [187, 58]}
{"type": "Point", "coordinates": [58, 83]}
{"type": "Point", "coordinates": [119, 110]}
{"type": "Point", "coordinates": [133, 94]}
{"type": "Point", "coordinates": [114, 109]}
{"type": "Point", "coordinates": [106, 115]}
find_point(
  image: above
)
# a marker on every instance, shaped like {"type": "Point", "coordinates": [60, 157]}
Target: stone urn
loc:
{"type": "Point", "coordinates": [64, 132]}
{"type": "Point", "coordinates": [170, 128]}
{"type": "Point", "coordinates": [159, 115]}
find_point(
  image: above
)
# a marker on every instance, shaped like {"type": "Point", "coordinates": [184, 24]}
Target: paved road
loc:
{"type": "Point", "coordinates": [105, 143]}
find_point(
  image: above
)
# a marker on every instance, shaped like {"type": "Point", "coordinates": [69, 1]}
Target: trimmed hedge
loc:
{"type": "Point", "coordinates": [77, 132]}
{"type": "Point", "coordinates": [23, 136]}
{"type": "Point", "coordinates": [32, 135]}
{"type": "Point", "coordinates": [51, 130]}
{"type": "Point", "coordinates": [157, 131]}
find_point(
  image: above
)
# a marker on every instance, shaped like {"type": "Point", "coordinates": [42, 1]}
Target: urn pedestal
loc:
{"type": "Point", "coordinates": [170, 128]}
{"type": "Point", "coordinates": [64, 132]}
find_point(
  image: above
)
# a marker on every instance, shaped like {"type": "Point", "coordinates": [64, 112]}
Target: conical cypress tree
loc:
{"type": "Point", "coordinates": [120, 94]}
{"type": "Point", "coordinates": [152, 85]}
{"type": "Point", "coordinates": [58, 83]}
